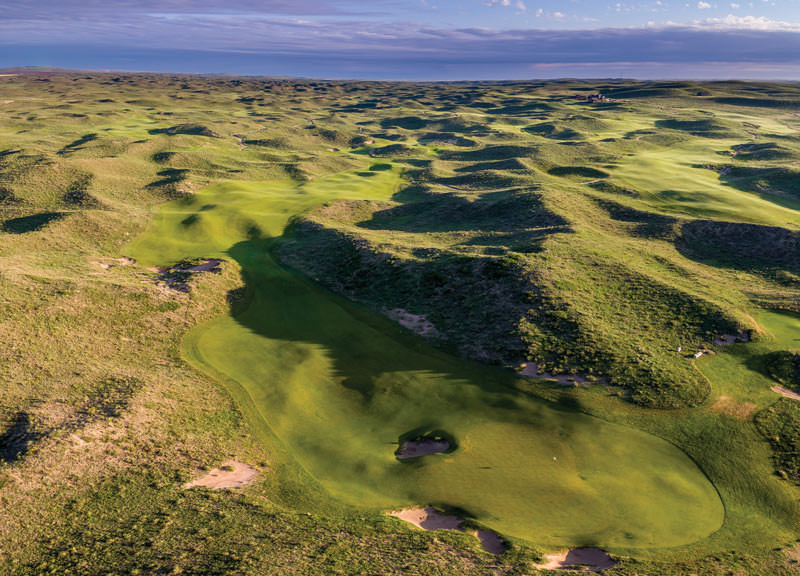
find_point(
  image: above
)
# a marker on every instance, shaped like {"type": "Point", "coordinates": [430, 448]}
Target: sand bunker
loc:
{"type": "Point", "coordinates": [728, 339]}
{"type": "Point", "coordinates": [178, 276]}
{"type": "Point", "coordinates": [210, 265]}
{"type": "Point", "coordinates": [422, 447]}
{"type": "Point", "coordinates": [786, 392]}
{"type": "Point", "coordinates": [417, 323]}
{"type": "Point", "coordinates": [231, 474]}
{"type": "Point", "coordinates": [430, 519]}
{"type": "Point", "coordinates": [491, 542]}
{"type": "Point", "coordinates": [578, 559]}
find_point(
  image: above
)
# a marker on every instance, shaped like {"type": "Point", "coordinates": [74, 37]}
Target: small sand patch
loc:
{"type": "Point", "coordinates": [422, 447]}
{"type": "Point", "coordinates": [578, 559]}
{"type": "Point", "coordinates": [102, 265]}
{"type": "Point", "coordinates": [126, 261]}
{"type": "Point", "coordinates": [417, 323]}
{"type": "Point", "coordinates": [231, 474]}
{"type": "Point", "coordinates": [786, 392]}
{"type": "Point", "coordinates": [430, 519]}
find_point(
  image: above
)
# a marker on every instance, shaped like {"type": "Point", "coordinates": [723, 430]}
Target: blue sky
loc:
{"type": "Point", "coordinates": [410, 39]}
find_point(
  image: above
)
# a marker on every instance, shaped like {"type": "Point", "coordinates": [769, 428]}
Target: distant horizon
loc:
{"type": "Point", "coordinates": [20, 70]}
{"type": "Point", "coordinates": [419, 40]}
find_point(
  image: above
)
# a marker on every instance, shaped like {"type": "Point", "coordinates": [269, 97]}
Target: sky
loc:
{"type": "Point", "coordinates": [410, 39]}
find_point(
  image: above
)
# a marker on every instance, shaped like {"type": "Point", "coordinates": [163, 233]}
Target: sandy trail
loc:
{"type": "Point", "coordinates": [231, 474]}
{"type": "Point", "coordinates": [240, 140]}
{"type": "Point", "coordinates": [578, 559]}
{"type": "Point", "coordinates": [786, 392]}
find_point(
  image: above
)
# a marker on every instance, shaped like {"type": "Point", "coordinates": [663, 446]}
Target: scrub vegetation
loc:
{"type": "Point", "coordinates": [590, 301]}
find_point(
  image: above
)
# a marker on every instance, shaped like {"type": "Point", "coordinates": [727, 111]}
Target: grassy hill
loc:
{"type": "Point", "coordinates": [602, 243]}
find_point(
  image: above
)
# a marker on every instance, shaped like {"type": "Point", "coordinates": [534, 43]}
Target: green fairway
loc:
{"type": "Point", "coordinates": [674, 182]}
{"type": "Point", "coordinates": [338, 387]}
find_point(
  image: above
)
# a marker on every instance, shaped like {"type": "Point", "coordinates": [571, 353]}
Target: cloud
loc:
{"type": "Point", "coordinates": [731, 22]}
{"type": "Point", "coordinates": [703, 5]}
{"type": "Point", "coordinates": [321, 38]}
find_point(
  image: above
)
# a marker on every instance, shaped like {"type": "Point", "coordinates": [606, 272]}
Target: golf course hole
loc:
{"type": "Point", "coordinates": [415, 445]}
{"type": "Point", "coordinates": [579, 559]}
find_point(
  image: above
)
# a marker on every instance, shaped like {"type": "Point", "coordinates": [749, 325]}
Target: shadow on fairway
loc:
{"type": "Point", "coordinates": [307, 313]}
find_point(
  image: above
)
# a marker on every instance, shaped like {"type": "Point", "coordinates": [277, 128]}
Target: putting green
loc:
{"type": "Point", "coordinates": [338, 386]}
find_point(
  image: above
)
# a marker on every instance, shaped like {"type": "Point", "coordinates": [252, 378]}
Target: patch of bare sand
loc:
{"type": "Point", "coordinates": [430, 519]}
{"type": "Point", "coordinates": [578, 559]}
{"type": "Point", "coordinates": [417, 323]}
{"type": "Point", "coordinates": [731, 407]}
{"type": "Point", "coordinates": [786, 392]}
{"type": "Point", "coordinates": [126, 261]}
{"type": "Point", "coordinates": [231, 474]}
